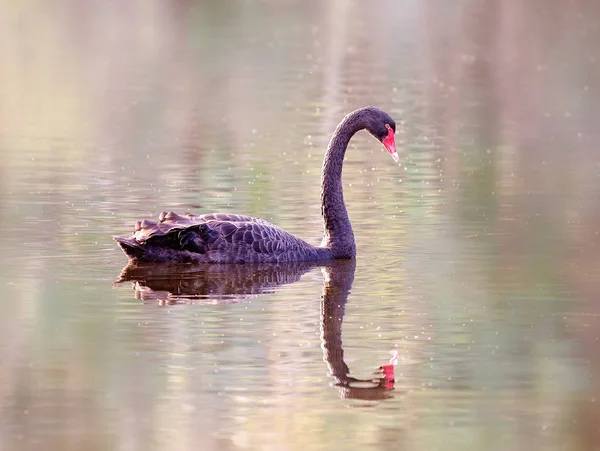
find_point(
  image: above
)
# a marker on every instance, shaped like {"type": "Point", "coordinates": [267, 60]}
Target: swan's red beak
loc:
{"type": "Point", "coordinates": [390, 144]}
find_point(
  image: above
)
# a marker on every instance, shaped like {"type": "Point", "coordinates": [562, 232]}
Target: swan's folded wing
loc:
{"type": "Point", "coordinates": [215, 238]}
{"type": "Point", "coordinates": [167, 222]}
{"type": "Point", "coordinates": [222, 238]}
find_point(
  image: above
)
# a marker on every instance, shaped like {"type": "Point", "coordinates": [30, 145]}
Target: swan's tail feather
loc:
{"type": "Point", "coordinates": [144, 252]}
{"type": "Point", "coordinates": [131, 248]}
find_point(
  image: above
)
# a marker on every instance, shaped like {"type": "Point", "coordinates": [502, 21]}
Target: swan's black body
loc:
{"type": "Point", "coordinates": [231, 238]}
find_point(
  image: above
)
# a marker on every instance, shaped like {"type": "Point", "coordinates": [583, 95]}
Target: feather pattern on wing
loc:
{"type": "Point", "coordinates": [215, 238]}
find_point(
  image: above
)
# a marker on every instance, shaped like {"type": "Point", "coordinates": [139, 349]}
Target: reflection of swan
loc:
{"type": "Point", "coordinates": [174, 283]}
{"type": "Point", "coordinates": [170, 284]}
{"type": "Point", "coordinates": [338, 279]}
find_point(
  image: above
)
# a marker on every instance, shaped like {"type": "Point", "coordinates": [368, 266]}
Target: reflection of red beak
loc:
{"type": "Point", "coordinates": [390, 144]}
{"type": "Point", "coordinates": [388, 372]}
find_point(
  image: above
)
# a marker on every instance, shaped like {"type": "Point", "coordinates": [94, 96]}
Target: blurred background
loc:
{"type": "Point", "coordinates": [478, 252]}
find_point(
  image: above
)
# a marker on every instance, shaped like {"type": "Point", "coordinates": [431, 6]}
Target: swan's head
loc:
{"type": "Point", "coordinates": [382, 127]}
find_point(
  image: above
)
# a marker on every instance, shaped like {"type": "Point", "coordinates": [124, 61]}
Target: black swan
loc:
{"type": "Point", "coordinates": [231, 238]}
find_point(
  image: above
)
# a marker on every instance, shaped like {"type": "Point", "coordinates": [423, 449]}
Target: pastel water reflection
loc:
{"type": "Point", "coordinates": [477, 254]}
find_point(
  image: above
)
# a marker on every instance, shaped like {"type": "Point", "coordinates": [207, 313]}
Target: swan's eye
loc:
{"type": "Point", "coordinates": [388, 131]}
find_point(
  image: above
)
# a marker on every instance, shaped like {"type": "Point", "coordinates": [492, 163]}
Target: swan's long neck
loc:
{"type": "Point", "coordinates": [339, 237]}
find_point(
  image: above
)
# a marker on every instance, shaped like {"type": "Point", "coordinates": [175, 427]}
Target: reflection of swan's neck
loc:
{"type": "Point", "coordinates": [338, 278]}
{"type": "Point", "coordinates": [332, 316]}
{"type": "Point", "coordinates": [339, 237]}
{"type": "Point", "coordinates": [337, 283]}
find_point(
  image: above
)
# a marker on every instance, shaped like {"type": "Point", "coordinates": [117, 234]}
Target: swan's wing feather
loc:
{"type": "Point", "coordinates": [215, 237]}
{"type": "Point", "coordinates": [169, 221]}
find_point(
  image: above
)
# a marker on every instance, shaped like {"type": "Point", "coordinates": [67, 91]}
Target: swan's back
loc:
{"type": "Point", "coordinates": [215, 238]}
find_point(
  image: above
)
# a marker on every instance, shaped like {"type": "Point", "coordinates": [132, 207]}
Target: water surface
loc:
{"type": "Point", "coordinates": [478, 252]}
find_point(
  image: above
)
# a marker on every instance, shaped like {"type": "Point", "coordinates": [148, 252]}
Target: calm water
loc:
{"type": "Point", "coordinates": [478, 253]}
